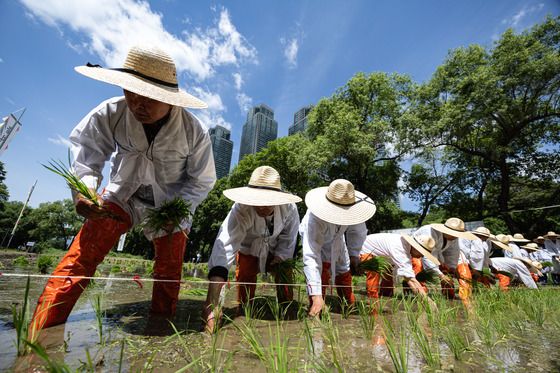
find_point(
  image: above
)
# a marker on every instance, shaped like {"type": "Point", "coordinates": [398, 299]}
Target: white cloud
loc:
{"type": "Point", "coordinates": [59, 140]}
{"type": "Point", "coordinates": [1, 60]}
{"type": "Point", "coordinates": [111, 27]}
{"type": "Point", "coordinates": [291, 48]}
{"type": "Point", "coordinates": [517, 19]}
{"type": "Point", "coordinates": [245, 102]}
{"type": "Point", "coordinates": [214, 114]}
{"type": "Point", "coordinates": [238, 79]}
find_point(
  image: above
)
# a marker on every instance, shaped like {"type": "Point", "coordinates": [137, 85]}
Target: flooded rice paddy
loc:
{"type": "Point", "coordinates": [510, 332]}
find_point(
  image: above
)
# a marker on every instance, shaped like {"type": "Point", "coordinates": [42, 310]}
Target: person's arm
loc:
{"type": "Point", "coordinates": [200, 170]}
{"type": "Point", "coordinates": [313, 236]}
{"type": "Point", "coordinates": [92, 143]}
{"type": "Point", "coordinates": [355, 237]}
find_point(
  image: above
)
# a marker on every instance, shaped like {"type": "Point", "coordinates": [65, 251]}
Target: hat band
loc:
{"type": "Point", "coordinates": [419, 243]}
{"type": "Point", "coordinates": [140, 75]}
{"type": "Point", "coordinates": [265, 187]}
{"type": "Point", "coordinates": [358, 200]}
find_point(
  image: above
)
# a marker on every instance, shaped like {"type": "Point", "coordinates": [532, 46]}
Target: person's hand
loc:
{"type": "Point", "coordinates": [416, 286]}
{"type": "Point", "coordinates": [355, 265]}
{"type": "Point", "coordinates": [317, 305]}
{"type": "Point", "coordinates": [210, 317]}
{"type": "Point", "coordinates": [275, 260]}
{"type": "Point", "coordinates": [446, 280]}
{"type": "Point", "coordinates": [89, 210]}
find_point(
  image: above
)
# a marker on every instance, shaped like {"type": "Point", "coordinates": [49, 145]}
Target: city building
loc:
{"type": "Point", "coordinates": [259, 129]}
{"type": "Point", "coordinates": [222, 147]}
{"type": "Point", "coordinates": [300, 120]}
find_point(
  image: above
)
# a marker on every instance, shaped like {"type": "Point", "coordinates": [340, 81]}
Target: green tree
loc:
{"type": "Point", "coordinates": [499, 106]}
{"type": "Point", "coordinates": [8, 216]}
{"type": "Point", "coordinates": [56, 223]}
{"type": "Point", "coordinates": [4, 195]}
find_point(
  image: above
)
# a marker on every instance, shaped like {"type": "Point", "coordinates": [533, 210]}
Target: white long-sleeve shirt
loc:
{"type": "Point", "coordinates": [325, 242]}
{"type": "Point", "coordinates": [446, 251]}
{"type": "Point", "coordinates": [553, 249]}
{"type": "Point", "coordinates": [179, 161]}
{"type": "Point", "coordinates": [245, 231]}
{"type": "Point", "coordinates": [476, 252]}
{"type": "Point", "coordinates": [516, 268]}
{"type": "Point", "coordinates": [393, 247]}
{"type": "Point", "coordinates": [515, 251]}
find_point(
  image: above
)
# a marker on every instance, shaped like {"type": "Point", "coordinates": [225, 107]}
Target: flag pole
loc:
{"type": "Point", "coordinates": [20, 214]}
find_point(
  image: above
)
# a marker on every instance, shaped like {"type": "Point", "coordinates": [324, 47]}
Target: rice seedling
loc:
{"type": "Point", "coordinates": [330, 331]}
{"type": "Point", "coordinates": [308, 336]}
{"type": "Point", "coordinates": [168, 216]}
{"type": "Point", "coordinates": [377, 264]}
{"type": "Point", "coordinates": [21, 261]}
{"type": "Point", "coordinates": [397, 344]}
{"type": "Point", "coordinates": [346, 309]}
{"type": "Point", "coordinates": [456, 341]}
{"type": "Point", "coordinates": [97, 303]}
{"type": "Point", "coordinates": [53, 366]}
{"type": "Point", "coordinates": [44, 262]}
{"type": "Point", "coordinates": [20, 318]}
{"type": "Point", "coordinates": [72, 179]}
{"type": "Point", "coordinates": [367, 319]}
{"type": "Point", "coordinates": [427, 276]}
{"type": "Point", "coordinates": [428, 350]}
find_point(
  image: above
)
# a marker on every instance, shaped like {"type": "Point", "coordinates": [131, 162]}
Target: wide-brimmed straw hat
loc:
{"type": "Point", "coordinates": [531, 246]}
{"type": "Point", "coordinates": [550, 235]}
{"type": "Point", "coordinates": [340, 204]}
{"type": "Point", "coordinates": [532, 267]}
{"type": "Point", "coordinates": [482, 231]}
{"type": "Point", "coordinates": [501, 240]}
{"type": "Point", "coordinates": [539, 239]}
{"type": "Point", "coordinates": [454, 227]}
{"type": "Point", "coordinates": [424, 244]}
{"type": "Point", "coordinates": [264, 189]}
{"type": "Point", "coordinates": [518, 237]}
{"type": "Point", "coordinates": [149, 72]}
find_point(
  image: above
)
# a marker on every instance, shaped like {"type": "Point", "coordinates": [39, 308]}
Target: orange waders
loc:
{"type": "Point", "coordinates": [246, 271]}
{"type": "Point", "coordinates": [344, 282]}
{"type": "Point", "coordinates": [91, 244]}
{"type": "Point", "coordinates": [448, 290]}
{"type": "Point", "coordinates": [465, 279]}
{"type": "Point", "coordinates": [374, 280]}
{"type": "Point", "coordinates": [503, 281]}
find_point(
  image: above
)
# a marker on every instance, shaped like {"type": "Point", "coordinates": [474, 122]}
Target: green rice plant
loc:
{"type": "Point", "coordinates": [330, 331]}
{"type": "Point", "coordinates": [428, 350]}
{"type": "Point", "coordinates": [346, 309]}
{"type": "Point", "coordinates": [44, 262]}
{"type": "Point", "coordinates": [427, 276]}
{"type": "Point", "coordinates": [547, 264]}
{"type": "Point", "coordinates": [21, 261]}
{"type": "Point", "coordinates": [253, 311]}
{"type": "Point", "coordinates": [20, 318]}
{"type": "Point", "coordinates": [168, 216]}
{"type": "Point", "coordinates": [367, 318]}
{"type": "Point", "coordinates": [308, 336]}
{"type": "Point", "coordinates": [53, 366]}
{"type": "Point", "coordinates": [72, 179]}
{"type": "Point", "coordinates": [97, 303]}
{"type": "Point", "coordinates": [397, 344]}
{"type": "Point", "coordinates": [377, 264]}
{"type": "Point", "coordinates": [456, 341]}
{"type": "Point", "coordinates": [121, 356]}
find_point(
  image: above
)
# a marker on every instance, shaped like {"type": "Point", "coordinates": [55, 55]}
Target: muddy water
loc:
{"type": "Point", "coordinates": [151, 345]}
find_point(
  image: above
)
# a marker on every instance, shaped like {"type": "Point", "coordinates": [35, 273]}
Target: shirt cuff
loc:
{"type": "Point", "coordinates": [314, 289]}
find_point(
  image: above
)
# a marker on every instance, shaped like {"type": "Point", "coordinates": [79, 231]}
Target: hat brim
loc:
{"type": "Point", "coordinates": [480, 234]}
{"type": "Point", "coordinates": [546, 236]}
{"type": "Point", "coordinates": [502, 245]}
{"type": "Point", "coordinates": [530, 248]}
{"type": "Point", "coordinates": [260, 197]}
{"type": "Point", "coordinates": [316, 201]}
{"type": "Point", "coordinates": [142, 87]}
{"type": "Point", "coordinates": [419, 247]}
{"type": "Point", "coordinates": [529, 263]}
{"type": "Point", "coordinates": [443, 229]}
{"type": "Point", "coordinates": [520, 240]}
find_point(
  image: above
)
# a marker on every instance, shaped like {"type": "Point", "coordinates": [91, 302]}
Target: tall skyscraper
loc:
{"type": "Point", "coordinates": [222, 147]}
{"type": "Point", "coordinates": [300, 120]}
{"type": "Point", "coordinates": [258, 130]}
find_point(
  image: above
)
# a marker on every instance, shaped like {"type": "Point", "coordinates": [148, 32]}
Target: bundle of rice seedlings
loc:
{"type": "Point", "coordinates": [71, 179]}
{"type": "Point", "coordinates": [168, 216]}
{"type": "Point", "coordinates": [287, 269]}
{"type": "Point", "coordinates": [547, 264]}
{"type": "Point", "coordinates": [427, 276]}
{"type": "Point", "coordinates": [377, 264]}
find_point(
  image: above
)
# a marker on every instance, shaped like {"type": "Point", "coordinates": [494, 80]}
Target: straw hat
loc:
{"type": "Point", "coordinates": [424, 244]}
{"type": "Point", "coordinates": [501, 240]}
{"type": "Point", "coordinates": [531, 246]}
{"type": "Point", "coordinates": [454, 227]}
{"type": "Point", "coordinates": [539, 239]}
{"type": "Point", "coordinates": [264, 189]}
{"type": "Point", "coordinates": [148, 72]}
{"type": "Point", "coordinates": [340, 204]}
{"type": "Point", "coordinates": [551, 235]}
{"type": "Point", "coordinates": [532, 267]}
{"type": "Point", "coordinates": [518, 237]}
{"type": "Point", "coordinates": [482, 232]}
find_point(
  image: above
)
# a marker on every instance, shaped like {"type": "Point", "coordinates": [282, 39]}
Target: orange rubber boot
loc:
{"type": "Point", "coordinates": [372, 279]}
{"type": "Point", "coordinates": [91, 244]}
{"type": "Point", "coordinates": [326, 277]}
{"type": "Point", "coordinates": [387, 287]}
{"type": "Point", "coordinates": [345, 280]}
{"type": "Point", "coordinates": [465, 279]}
{"type": "Point", "coordinates": [168, 265]}
{"type": "Point", "coordinates": [503, 281]}
{"type": "Point", "coordinates": [246, 271]}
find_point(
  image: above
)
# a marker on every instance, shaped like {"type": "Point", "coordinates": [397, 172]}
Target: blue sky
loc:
{"type": "Point", "coordinates": [233, 54]}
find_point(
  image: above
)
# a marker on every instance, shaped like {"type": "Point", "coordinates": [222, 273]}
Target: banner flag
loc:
{"type": "Point", "coordinates": [8, 128]}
